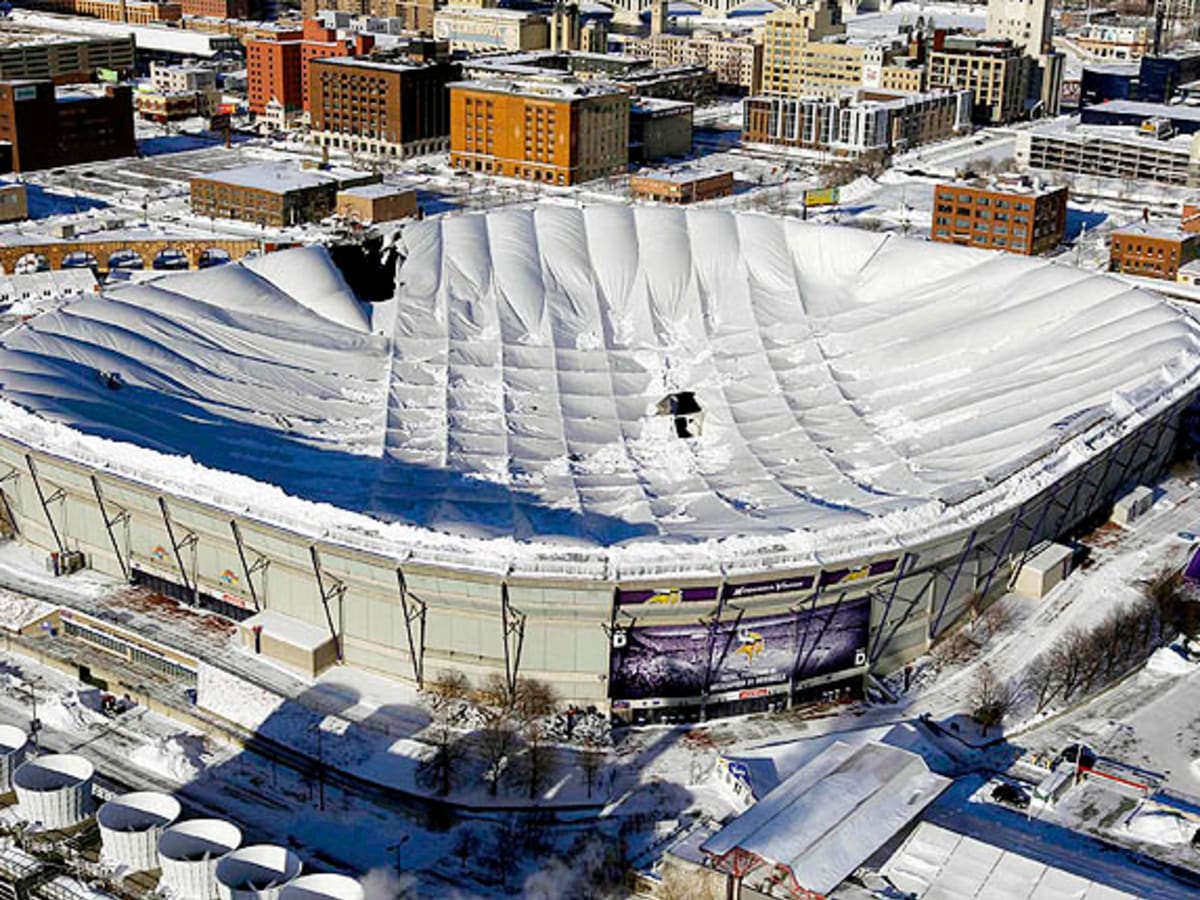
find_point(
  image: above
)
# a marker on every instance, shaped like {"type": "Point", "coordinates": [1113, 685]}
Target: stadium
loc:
{"type": "Point", "coordinates": [675, 463]}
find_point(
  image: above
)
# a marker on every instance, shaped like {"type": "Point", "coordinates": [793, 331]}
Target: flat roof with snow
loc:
{"type": "Point", "coordinates": [828, 818]}
{"type": "Point", "coordinates": [856, 390]}
{"type": "Point", "coordinates": [938, 864]}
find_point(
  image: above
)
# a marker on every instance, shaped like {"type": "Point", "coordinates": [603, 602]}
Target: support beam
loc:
{"type": "Point", "coordinates": [512, 621]}
{"type": "Point", "coordinates": [178, 546]}
{"type": "Point", "coordinates": [110, 523]}
{"type": "Point", "coordinates": [248, 569]}
{"type": "Point", "coordinates": [414, 610]}
{"type": "Point", "coordinates": [335, 590]}
{"type": "Point", "coordinates": [5, 506]}
{"type": "Point", "coordinates": [45, 501]}
{"type": "Point", "coordinates": [882, 642]}
{"type": "Point", "coordinates": [935, 625]}
{"type": "Point", "coordinates": [833, 610]}
{"type": "Point", "coordinates": [713, 622]}
{"type": "Point", "coordinates": [1008, 538]}
{"type": "Point", "coordinates": [906, 564]}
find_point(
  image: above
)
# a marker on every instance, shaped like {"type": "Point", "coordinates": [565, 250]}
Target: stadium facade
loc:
{"type": "Point", "coordinates": [848, 557]}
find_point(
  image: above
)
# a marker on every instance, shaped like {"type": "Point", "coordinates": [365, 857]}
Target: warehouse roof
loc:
{"type": "Point", "coordinates": [828, 818]}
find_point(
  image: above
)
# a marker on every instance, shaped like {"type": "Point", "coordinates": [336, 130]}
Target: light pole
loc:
{"type": "Point", "coordinates": [398, 846]}
{"type": "Point", "coordinates": [320, 769]}
{"type": "Point", "coordinates": [35, 726]}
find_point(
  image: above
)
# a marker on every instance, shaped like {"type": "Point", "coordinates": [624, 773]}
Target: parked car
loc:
{"type": "Point", "coordinates": [1011, 795]}
{"type": "Point", "coordinates": [1077, 754]}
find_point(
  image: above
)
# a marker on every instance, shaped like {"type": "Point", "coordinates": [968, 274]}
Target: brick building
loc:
{"type": "Point", "coordinates": [381, 108]}
{"type": "Point", "coordinates": [556, 133]}
{"type": "Point", "coordinates": [277, 66]}
{"type": "Point", "coordinates": [274, 194]}
{"type": "Point", "coordinates": [132, 12]}
{"type": "Point", "coordinates": [217, 9]}
{"type": "Point", "coordinates": [373, 203]}
{"type": "Point", "coordinates": [1152, 251]}
{"type": "Point", "coordinates": [1020, 218]}
{"type": "Point", "coordinates": [45, 127]}
{"type": "Point", "coordinates": [680, 186]}
{"type": "Point", "coordinates": [659, 129]}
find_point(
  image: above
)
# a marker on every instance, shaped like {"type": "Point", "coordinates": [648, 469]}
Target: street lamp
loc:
{"type": "Point", "coordinates": [35, 726]}
{"type": "Point", "coordinates": [397, 847]}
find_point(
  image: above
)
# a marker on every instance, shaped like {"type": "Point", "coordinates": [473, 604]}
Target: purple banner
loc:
{"type": "Point", "coordinates": [674, 660]}
{"type": "Point", "coordinates": [666, 596]}
{"type": "Point", "coordinates": [774, 586]}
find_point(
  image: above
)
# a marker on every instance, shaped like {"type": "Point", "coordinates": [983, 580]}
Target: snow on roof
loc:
{"type": "Point", "coordinates": [289, 630]}
{"type": "Point", "coordinates": [375, 191]}
{"type": "Point", "coordinates": [852, 398]}
{"type": "Point", "coordinates": [271, 176]}
{"type": "Point", "coordinates": [146, 37]}
{"type": "Point", "coordinates": [828, 818]}
{"type": "Point", "coordinates": [1176, 111]}
{"type": "Point", "coordinates": [938, 864]}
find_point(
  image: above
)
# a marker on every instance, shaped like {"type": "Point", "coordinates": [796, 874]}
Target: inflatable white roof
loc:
{"type": "Point", "coordinates": [518, 388]}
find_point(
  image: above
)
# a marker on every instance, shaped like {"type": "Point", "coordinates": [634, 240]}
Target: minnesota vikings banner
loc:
{"type": "Point", "coordinates": [675, 660]}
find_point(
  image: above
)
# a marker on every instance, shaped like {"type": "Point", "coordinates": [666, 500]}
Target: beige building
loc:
{"type": "Point", "coordinates": [1027, 23]}
{"type": "Point", "coordinates": [371, 203]}
{"type": "Point", "coordinates": [995, 72]}
{"type": "Point", "coordinates": [786, 35]}
{"type": "Point", "coordinates": [183, 80]}
{"type": "Point", "coordinates": [13, 205]}
{"type": "Point", "coordinates": [479, 30]}
{"type": "Point", "coordinates": [735, 58]}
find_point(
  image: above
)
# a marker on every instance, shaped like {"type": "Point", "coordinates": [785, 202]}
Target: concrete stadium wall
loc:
{"type": "Point", "coordinates": [567, 624]}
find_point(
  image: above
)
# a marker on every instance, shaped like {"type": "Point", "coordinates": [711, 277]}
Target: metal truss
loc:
{"type": "Point", "coordinates": [414, 610]}
{"type": "Point", "coordinates": [178, 546]}
{"type": "Point", "coordinates": [58, 495]}
{"type": "Point", "coordinates": [512, 622]}
{"type": "Point", "coordinates": [335, 591]}
{"type": "Point", "coordinates": [110, 523]}
{"type": "Point", "coordinates": [5, 506]}
{"type": "Point", "coordinates": [249, 568]}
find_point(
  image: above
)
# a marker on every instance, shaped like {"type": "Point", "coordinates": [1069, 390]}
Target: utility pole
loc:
{"type": "Point", "coordinates": [35, 726]}
{"type": "Point", "coordinates": [320, 771]}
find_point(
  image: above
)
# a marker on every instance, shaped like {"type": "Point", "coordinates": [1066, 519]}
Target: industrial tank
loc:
{"type": "Point", "coordinates": [188, 854]}
{"type": "Point", "coordinates": [54, 790]}
{"type": "Point", "coordinates": [323, 886]}
{"type": "Point", "coordinates": [130, 826]}
{"type": "Point", "coordinates": [258, 872]}
{"type": "Point", "coordinates": [12, 753]}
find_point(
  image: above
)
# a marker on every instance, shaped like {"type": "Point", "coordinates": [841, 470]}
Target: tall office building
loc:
{"type": "Point", "coordinates": [1026, 23]}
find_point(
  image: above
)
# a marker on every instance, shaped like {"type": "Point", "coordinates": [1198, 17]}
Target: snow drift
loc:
{"type": "Point", "coordinates": [850, 386]}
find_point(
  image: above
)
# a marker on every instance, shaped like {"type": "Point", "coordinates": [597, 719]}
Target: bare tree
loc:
{"type": "Point", "coordinates": [540, 760]}
{"type": "Point", "coordinates": [591, 761]}
{"type": "Point", "coordinates": [493, 695]}
{"type": "Point", "coordinates": [1068, 658]}
{"type": "Point", "coordinates": [450, 685]}
{"type": "Point", "coordinates": [684, 882]}
{"type": "Point", "coordinates": [991, 698]}
{"type": "Point", "coordinates": [442, 770]}
{"type": "Point", "coordinates": [496, 744]}
{"type": "Point", "coordinates": [1041, 681]}
{"type": "Point", "coordinates": [533, 699]}
{"type": "Point", "coordinates": [1165, 591]}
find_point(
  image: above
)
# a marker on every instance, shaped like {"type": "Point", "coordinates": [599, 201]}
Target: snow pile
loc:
{"type": "Point", "coordinates": [233, 698]}
{"type": "Point", "coordinates": [18, 611]}
{"type": "Point", "coordinates": [178, 757]}
{"type": "Point", "coordinates": [1169, 662]}
{"type": "Point", "coordinates": [1162, 827]}
{"type": "Point", "coordinates": [513, 392]}
{"type": "Point", "coordinates": [68, 712]}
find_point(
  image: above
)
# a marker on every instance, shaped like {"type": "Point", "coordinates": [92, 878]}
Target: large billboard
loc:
{"type": "Point", "coordinates": [680, 661]}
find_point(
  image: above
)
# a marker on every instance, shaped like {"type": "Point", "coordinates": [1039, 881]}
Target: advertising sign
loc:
{"type": "Point", "coordinates": [738, 655]}
{"type": "Point", "coordinates": [821, 196]}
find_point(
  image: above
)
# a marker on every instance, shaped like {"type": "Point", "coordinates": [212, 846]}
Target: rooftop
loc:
{"type": "Point", "coordinates": [1176, 111]}
{"type": "Point", "coordinates": [375, 191]}
{"type": "Point", "coordinates": [279, 177]}
{"type": "Point", "coordinates": [659, 105]}
{"type": "Point", "coordinates": [502, 409]}
{"type": "Point", "coordinates": [365, 62]}
{"type": "Point", "coordinates": [1161, 232]}
{"type": "Point", "coordinates": [684, 175]}
{"type": "Point", "coordinates": [161, 38]}
{"type": "Point", "coordinates": [478, 12]}
{"type": "Point", "coordinates": [560, 89]}
{"type": "Point", "coordinates": [1026, 187]}
{"type": "Point", "coordinates": [829, 817]}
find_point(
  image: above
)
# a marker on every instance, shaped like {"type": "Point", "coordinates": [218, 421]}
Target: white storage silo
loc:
{"type": "Point", "coordinates": [257, 872]}
{"type": "Point", "coordinates": [323, 886]}
{"type": "Point", "coordinates": [12, 753]}
{"type": "Point", "coordinates": [130, 826]}
{"type": "Point", "coordinates": [188, 853]}
{"type": "Point", "coordinates": [54, 791]}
